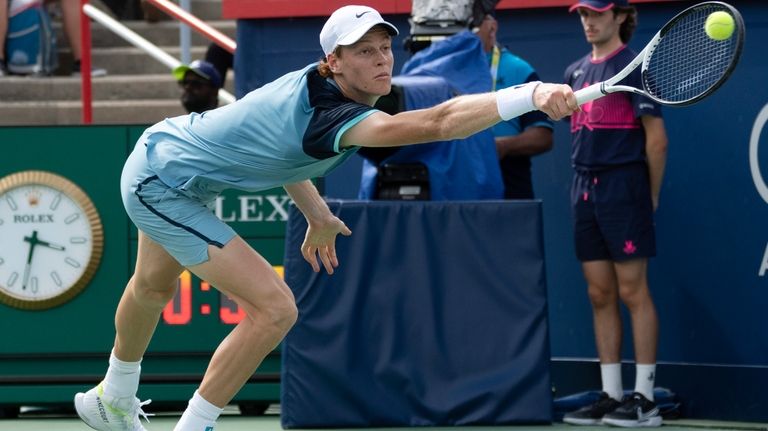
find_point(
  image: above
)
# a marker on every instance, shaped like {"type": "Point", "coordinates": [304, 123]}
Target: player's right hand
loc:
{"type": "Point", "coordinates": [555, 100]}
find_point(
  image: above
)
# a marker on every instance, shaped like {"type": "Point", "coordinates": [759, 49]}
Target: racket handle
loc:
{"type": "Point", "coordinates": [588, 94]}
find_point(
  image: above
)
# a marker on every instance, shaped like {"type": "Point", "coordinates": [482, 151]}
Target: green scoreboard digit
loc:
{"type": "Point", "coordinates": [57, 308]}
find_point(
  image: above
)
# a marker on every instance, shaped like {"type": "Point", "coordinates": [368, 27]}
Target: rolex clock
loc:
{"type": "Point", "coordinates": [51, 240]}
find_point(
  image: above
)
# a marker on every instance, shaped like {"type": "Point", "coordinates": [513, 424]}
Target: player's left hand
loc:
{"type": "Point", "coordinates": [320, 240]}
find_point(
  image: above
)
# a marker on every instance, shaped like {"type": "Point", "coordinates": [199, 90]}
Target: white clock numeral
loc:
{"type": "Point", "coordinates": [56, 278]}
{"type": "Point", "coordinates": [56, 202]}
{"type": "Point", "coordinates": [12, 279]}
{"type": "Point", "coordinates": [77, 240]}
{"type": "Point", "coordinates": [71, 218]}
{"type": "Point", "coordinates": [72, 262]}
{"type": "Point", "coordinates": [12, 203]}
{"type": "Point", "coordinates": [33, 284]}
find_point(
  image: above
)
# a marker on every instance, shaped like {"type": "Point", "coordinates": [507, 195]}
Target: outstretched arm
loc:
{"type": "Point", "coordinates": [320, 238]}
{"type": "Point", "coordinates": [458, 117]}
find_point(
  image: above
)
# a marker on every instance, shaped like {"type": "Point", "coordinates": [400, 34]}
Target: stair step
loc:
{"type": "Point", "coordinates": [160, 33]}
{"type": "Point", "coordinates": [137, 90]}
{"type": "Point", "coordinates": [110, 87]}
{"type": "Point", "coordinates": [206, 9]}
{"type": "Point", "coordinates": [126, 60]}
{"type": "Point", "coordinates": [146, 111]}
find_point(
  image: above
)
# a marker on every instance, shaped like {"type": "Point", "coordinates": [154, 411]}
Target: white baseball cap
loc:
{"type": "Point", "coordinates": [348, 24]}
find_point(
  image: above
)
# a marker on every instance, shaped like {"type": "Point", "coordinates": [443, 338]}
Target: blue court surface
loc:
{"type": "Point", "coordinates": [231, 420]}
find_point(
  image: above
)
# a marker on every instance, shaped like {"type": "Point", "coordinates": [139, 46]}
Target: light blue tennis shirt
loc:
{"type": "Point", "coordinates": [284, 132]}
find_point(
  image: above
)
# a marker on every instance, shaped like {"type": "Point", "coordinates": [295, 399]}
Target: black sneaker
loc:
{"type": "Point", "coordinates": [635, 411]}
{"type": "Point", "coordinates": [593, 413]}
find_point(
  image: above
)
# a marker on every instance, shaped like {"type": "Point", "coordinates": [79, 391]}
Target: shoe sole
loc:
{"type": "Point", "coordinates": [648, 423]}
{"type": "Point", "coordinates": [80, 405]}
{"type": "Point", "coordinates": [573, 421]}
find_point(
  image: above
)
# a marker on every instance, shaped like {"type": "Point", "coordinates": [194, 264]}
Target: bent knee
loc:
{"type": "Point", "coordinates": [284, 313]}
{"type": "Point", "coordinates": [153, 294]}
{"type": "Point", "coordinates": [278, 311]}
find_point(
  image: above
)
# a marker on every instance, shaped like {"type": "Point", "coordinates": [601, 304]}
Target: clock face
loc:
{"type": "Point", "coordinates": [51, 240]}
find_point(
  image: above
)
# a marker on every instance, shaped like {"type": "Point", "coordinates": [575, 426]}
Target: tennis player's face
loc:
{"type": "Point", "coordinates": [600, 28]}
{"type": "Point", "coordinates": [364, 70]}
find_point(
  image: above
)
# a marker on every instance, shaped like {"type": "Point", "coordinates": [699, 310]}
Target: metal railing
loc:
{"type": "Point", "coordinates": [199, 26]}
{"type": "Point", "coordinates": [135, 39]}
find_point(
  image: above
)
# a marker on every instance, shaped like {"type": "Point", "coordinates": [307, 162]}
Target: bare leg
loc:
{"type": "Point", "coordinates": [3, 26]}
{"type": "Point", "coordinates": [70, 10]}
{"type": "Point", "coordinates": [634, 293]}
{"type": "Point", "coordinates": [149, 290]}
{"type": "Point", "coordinates": [603, 294]}
{"type": "Point", "coordinates": [246, 277]}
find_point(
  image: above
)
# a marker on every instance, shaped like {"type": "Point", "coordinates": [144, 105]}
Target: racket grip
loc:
{"type": "Point", "coordinates": [588, 94]}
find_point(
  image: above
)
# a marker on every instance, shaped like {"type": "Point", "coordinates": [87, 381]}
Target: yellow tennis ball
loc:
{"type": "Point", "coordinates": [719, 25]}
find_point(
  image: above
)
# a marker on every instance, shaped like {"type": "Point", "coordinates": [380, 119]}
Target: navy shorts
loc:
{"type": "Point", "coordinates": [613, 214]}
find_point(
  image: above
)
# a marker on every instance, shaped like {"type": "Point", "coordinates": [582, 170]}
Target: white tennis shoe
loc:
{"type": "Point", "coordinates": [104, 413]}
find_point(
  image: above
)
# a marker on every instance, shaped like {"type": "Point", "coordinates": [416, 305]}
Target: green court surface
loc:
{"type": "Point", "coordinates": [231, 420]}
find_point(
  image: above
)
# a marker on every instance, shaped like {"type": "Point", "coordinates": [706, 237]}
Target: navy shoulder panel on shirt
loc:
{"type": "Point", "coordinates": [332, 111]}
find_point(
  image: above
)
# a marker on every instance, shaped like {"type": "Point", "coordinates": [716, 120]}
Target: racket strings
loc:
{"type": "Point", "coordinates": [687, 63]}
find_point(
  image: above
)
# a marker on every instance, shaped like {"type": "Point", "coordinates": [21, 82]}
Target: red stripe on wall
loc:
{"type": "Point", "coordinates": [232, 9]}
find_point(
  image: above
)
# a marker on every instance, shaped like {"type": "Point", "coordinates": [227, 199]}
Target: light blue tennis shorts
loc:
{"type": "Point", "coordinates": [183, 225]}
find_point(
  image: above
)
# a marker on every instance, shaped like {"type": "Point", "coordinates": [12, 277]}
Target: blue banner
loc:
{"type": "Point", "coordinates": [435, 316]}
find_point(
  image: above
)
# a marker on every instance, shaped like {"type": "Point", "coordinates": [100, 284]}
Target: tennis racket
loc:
{"type": "Point", "coordinates": [681, 65]}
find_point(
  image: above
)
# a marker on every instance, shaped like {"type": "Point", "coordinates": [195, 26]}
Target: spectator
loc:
{"type": "Point", "coordinates": [200, 82]}
{"type": "Point", "coordinates": [221, 59]}
{"type": "Point", "coordinates": [522, 137]}
{"type": "Point", "coordinates": [70, 11]}
{"type": "Point", "coordinates": [618, 154]}
{"type": "Point", "coordinates": [3, 32]}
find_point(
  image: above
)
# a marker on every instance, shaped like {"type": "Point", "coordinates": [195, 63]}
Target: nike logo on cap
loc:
{"type": "Point", "coordinates": [358, 15]}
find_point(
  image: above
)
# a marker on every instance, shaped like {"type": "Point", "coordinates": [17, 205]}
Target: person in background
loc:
{"type": "Point", "coordinates": [3, 33]}
{"type": "Point", "coordinates": [200, 82]}
{"type": "Point", "coordinates": [70, 13]}
{"type": "Point", "coordinates": [221, 59]}
{"type": "Point", "coordinates": [518, 139]}
{"type": "Point", "coordinates": [618, 155]}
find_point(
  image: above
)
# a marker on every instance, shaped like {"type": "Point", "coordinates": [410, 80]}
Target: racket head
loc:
{"type": "Point", "coordinates": [683, 65]}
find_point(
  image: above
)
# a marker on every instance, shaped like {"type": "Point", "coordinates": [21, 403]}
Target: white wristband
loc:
{"type": "Point", "coordinates": [515, 101]}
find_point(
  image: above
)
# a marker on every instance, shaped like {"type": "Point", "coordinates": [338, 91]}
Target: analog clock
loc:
{"type": "Point", "coordinates": [51, 240]}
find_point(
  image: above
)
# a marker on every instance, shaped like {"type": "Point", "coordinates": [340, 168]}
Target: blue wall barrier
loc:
{"type": "Point", "coordinates": [710, 279]}
{"type": "Point", "coordinates": [407, 331]}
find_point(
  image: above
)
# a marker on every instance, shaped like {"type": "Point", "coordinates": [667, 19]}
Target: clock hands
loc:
{"type": "Point", "coordinates": [51, 245]}
{"type": "Point", "coordinates": [34, 241]}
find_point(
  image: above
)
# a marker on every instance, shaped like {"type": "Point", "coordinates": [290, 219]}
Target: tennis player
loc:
{"type": "Point", "coordinates": [298, 127]}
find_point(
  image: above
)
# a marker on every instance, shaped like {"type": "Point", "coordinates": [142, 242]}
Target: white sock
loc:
{"type": "Point", "coordinates": [122, 379]}
{"type": "Point", "coordinates": [200, 415]}
{"type": "Point", "coordinates": [645, 379]}
{"type": "Point", "coordinates": [611, 376]}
